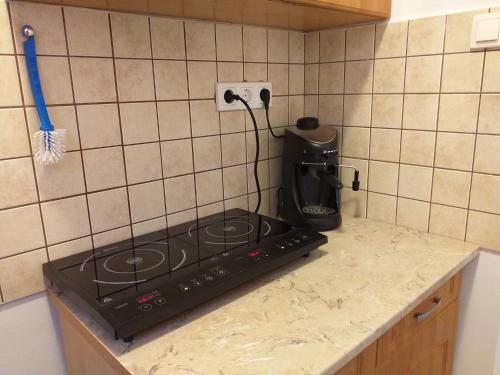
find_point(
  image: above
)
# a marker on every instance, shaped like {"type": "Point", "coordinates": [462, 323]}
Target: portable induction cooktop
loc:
{"type": "Point", "coordinates": [132, 285]}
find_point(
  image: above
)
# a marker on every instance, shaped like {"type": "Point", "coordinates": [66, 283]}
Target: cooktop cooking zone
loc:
{"type": "Point", "coordinates": [132, 285]}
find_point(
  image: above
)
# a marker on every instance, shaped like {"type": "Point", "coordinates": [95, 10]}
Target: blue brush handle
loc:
{"type": "Point", "coordinates": [36, 87]}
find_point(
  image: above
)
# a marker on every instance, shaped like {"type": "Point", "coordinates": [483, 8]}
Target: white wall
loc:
{"type": "Point", "coordinates": [478, 330]}
{"type": "Point", "coordinates": [30, 342]}
{"type": "Point", "coordinates": [410, 9]}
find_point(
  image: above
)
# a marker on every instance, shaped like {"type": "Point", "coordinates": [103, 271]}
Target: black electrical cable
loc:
{"type": "Point", "coordinates": [229, 96]}
{"type": "Point", "coordinates": [265, 96]}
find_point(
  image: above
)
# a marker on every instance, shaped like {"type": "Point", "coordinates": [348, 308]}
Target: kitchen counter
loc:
{"type": "Point", "coordinates": [310, 317]}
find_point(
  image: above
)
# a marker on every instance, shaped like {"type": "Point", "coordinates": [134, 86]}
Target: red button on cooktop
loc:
{"type": "Point", "coordinates": [254, 253]}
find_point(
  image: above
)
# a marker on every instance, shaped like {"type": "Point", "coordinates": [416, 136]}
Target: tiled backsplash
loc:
{"type": "Point", "coordinates": [146, 146]}
{"type": "Point", "coordinates": [420, 116]}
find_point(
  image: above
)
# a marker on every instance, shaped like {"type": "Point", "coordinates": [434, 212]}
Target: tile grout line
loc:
{"type": "Point", "coordinates": [157, 127]}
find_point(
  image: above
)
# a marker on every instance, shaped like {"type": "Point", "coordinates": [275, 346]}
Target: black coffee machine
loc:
{"type": "Point", "coordinates": [311, 184]}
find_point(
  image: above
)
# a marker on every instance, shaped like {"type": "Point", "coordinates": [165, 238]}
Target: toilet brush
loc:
{"type": "Point", "coordinates": [49, 142]}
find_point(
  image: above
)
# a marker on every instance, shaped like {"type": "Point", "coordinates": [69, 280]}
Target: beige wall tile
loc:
{"type": "Point", "coordinates": [331, 78]}
{"type": "Point", "coordinates": [21, 275]}
{"type": "Point", "coordinates": [207, 154]}
{"type": "Point", "coordinates": [130, 35]}
{"type": "Point", "coordinates": [177, 157]}
{"type": "Point", "coordinates": [296, 79]}
{"type": "Point", "coordinates": [413, 214]}
{"type": "Point", "coordinates": [232, 121]}
{"type": "Point", "coordinates": [484, 193]}
{"type": "Point", "coordinates": [278, 75]}
{"type": "Point", "coordinates": [357, 110]}
{"type": "Point", "coordinates": [254, 44]}
{"type": "Point", "coordinates": [275, 172]}
{"type": "Point", "coordinates": [482, 228]}
{"type": "Point", "coordinates": [210, 209]}
{"type": "Point", "coordinates": [93, 80]}
{"type": "Point", "coordinates": [390, 40]}
{"type": "Point", "coordinates": [143, 162]}
{"type": "Point", "coordinates": [260, 117]}
{"type": "Point", "coordinates": [389, 75]}
{"type": "Point", "coordinates": [148, 226]}
{"type": "Point", "coordinates": [202, 77]}
{"type": "Point", "coordinates": [65, 219]}
{"type": "Point", "coordinates": [46, 20]}
{"type": "Point", "coordinates": [462, 72]}
{"type": "Point", "coordinates": [112, 236]}
{"type": "Point", "coordinates": [458, 29]}
{"type": "Point", "coordinates": [458, 112]}
{"type": "Point", "coordinates": [487, 158]}
{"type": "Point", "coordinates": [356, 142]}
{"type": "Point", "coordinates": [277, 45]}
{"type": "Point", "coordinates": [358, 77]}
{"type": "Point", "coordinates": [229, 71]}
{"type": "Point", "coordinates": [204, 118]}
{"type": "Point", "coordinates": [262, 172]}
{"type": "Point", "coordinates": [454, 150]}
{"type": "Point", "coordinates": [360, 42]}
{"type": "Point", "coordinates": [174, 121]}
{"type": "Point", "coordinates": [55, 78]}
{"type": "Point", "coordinates": [330, 110]}
{"type": "Point", "coordinates": [295, 108]}
{"type": "Point", "coordinates": [387, 111]}
{"type": "Point", "coordinates": [170, 80]}
{"type": "Point", "coordinates": [61, 116]}
{"type": "Point", "coordinates": [311, 47]}
{"type": "Point", "coordinates": [423, 74]}
{"type": "Point", "coordinates": [235, 182]}
{"type": "Point", "coordinates": [18, 183]}
{"type": "Point", "coordinates": [426, 35]}
{"type": "Point", "coordinates": [14, 141]}
{"type": "Point", "coordinates": [99, 125]}
{"type": "Point", "coordinates": [167, 38]}
{"type": "Point", "coordinates": [332, 45]}
{"type": "Point", "coordinates": [238, 202]}
{"type": "Point", "coordinates": [134, 79]}
{"type": "Point", "coordinates": [415, 182]}
{"type": "Point", "coordinates": [233, 146]}
{"type": "Point", "coordinates": [278, 113]}
{"type": "Point", "coordinates": [383, 177]}
{"type": "Point", "coordinates": [353, 203]}
{"type": "Point", "coordinates": [104, 168]}
{"type": "Point", "coordinates": [146, 201]}
{"type": "Point", "coordinates": [451, 187]}
{"type": "Point", "coordinates": [311, 105]}
{"type": "Point", "coordinates": [14, 236]}
{"type": "Point", "coordinates": [87, 31]}
{"type": "Point", "coordinates": [10, 93]}
{"type": "Point", "coordinates": [263, 140]}
{"type": "Point", "coordinates": [69, 248]}
{"type": "Point", "coordinates": [417, 147]}
{"type": "Point", "coordinates": [347, 174]}
{"type": "Point", "coordinates": [385, 144]}
{"type": "Point", "coordinates": [208, 187]}
{"type": "Point", "coordinates": [296, 47]}
{"type": "Point", "coordinates": [275, 144]}
{"type": "Point", "coordinates": [6, 45]}
{"type": "Point", "coordinates": [180, 193]}
{"type": "Point", "coordinates": [489, 114]}
{"type": "Point", "coordinates": [139, 122]}
{"type": "Point", "coordinates": [420, 112]}
{"type": "Point", "coordinates": [448, 221]}
{"type": "Point", "coordinates": [311, 74]}
{"type": "Point", "coordinates": [381, 207]}
{"type": "Point", "coordinates": [181, 217]}
{"type": "Point", "coordinates": [108, 209]}
{"type": "Point", "coordinates": [491, 79]}
{"type": "Point", "coordinates": [229, 42]}
{"type": "Point", "coordinates": [62, 179]}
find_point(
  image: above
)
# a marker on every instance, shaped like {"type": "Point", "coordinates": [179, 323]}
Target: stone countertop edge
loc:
{"type": "Point", "coordinates": [294, 309]}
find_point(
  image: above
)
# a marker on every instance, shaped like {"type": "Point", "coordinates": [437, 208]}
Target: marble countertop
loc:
{"type": "Point", "coordinates": [310, 317]}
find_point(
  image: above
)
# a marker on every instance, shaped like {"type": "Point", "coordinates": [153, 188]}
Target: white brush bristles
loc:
{"type": "Point", "coordinates": [51, 146]}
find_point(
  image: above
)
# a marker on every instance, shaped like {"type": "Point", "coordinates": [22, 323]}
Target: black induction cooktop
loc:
{"type": "Point", "coordinates": [132, 285]}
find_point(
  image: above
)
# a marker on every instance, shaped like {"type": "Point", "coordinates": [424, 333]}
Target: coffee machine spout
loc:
{"type": "Point", "coordinates": [355, 181]}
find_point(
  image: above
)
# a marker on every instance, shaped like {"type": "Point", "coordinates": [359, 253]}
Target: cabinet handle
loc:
{"type": "Point", "coordinates": [422, 316]}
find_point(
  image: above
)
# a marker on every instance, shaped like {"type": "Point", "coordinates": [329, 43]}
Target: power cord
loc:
{"type": "Point", "coordinates": [265, 96]}
{"type": "Point", "coordinates": [229, 97]}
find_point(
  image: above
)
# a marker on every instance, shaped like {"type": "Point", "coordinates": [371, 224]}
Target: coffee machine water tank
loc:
{"type": "Point", "coordinates": [310, 195]}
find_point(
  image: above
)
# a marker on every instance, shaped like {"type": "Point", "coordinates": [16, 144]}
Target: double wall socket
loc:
{"type": "Point", "coordinates": [250, 91]}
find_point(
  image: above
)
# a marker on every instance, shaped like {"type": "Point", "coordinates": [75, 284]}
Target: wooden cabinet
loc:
{"type": "Point", "coordinates": [303, 15]}
{"type": "Point", "coordinates": [421, 343]}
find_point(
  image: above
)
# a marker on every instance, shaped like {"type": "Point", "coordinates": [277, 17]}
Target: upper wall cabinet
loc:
{"type": "Point", "coordinates": [303, 15]}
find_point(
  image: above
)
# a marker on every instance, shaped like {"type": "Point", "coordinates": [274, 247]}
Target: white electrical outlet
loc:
{"type": "Point", "coordinates": [250, 91]}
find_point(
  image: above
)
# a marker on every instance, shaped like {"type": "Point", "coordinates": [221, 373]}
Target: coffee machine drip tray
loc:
{"type": "Point", "coordinates": [318, 210]}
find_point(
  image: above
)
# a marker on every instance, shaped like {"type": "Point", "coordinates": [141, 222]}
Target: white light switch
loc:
{"type": "Point", "coordinates": [485, 31]}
